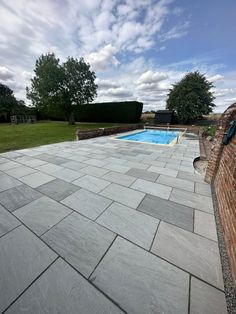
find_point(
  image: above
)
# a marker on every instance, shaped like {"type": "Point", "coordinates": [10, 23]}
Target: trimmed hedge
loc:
{"type": "Point", "coordinates": [124, 112]}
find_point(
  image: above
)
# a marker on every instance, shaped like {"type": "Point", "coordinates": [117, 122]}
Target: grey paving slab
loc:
{"type": "Point", "coordinates": [176, 182]}
{"type": "Point", "coordinates": [36, 179]}
{"type": "Point", "coordinates": [205, 299]}
{"type": "Point", "coordinates": [186, 169]}
{"type": "Point", "coordinates": [74, 165]}
{"type": "Point", "coordinates": [203, 188]}
{"type": "Point", "coordinates": [140, 282]}
{"type": "Point", "coordinates": [87, 203]}
{"type": "Point", "coordinates": [204, 224]}
{"type": "Point", "coordinates": [80, 241]}
{"type": "Point", "coordinates": [67, 175]}
{"type": "Point", "coordinates": [179, 215]}
{"type": "Point", "coordinates": [94, 171]}
{"type": "Point", "coordinates": [20, 171]}
{"type": "Point", "coordinates": [67, 292]}
{"type": "Point", "coordinates": [194, 200]}
{"type": "Point", "coordinates": [41, 214]}
{"type": "Point", "coordinates": [7, 221]}
{"type": "Point", "coordinates": [95, 162]}
{"type": "Point", "coordinates": [123, 195]}
{"type": "Point", "coordinates": [190, 176]}
{"type": "Point", "coordinates": [119, 178]}
{"type": "Point", "coordinates": [91, 183]}
{"type": "Point", "coordinates": [172, 166]}
{"type": "Point", "coordinates": [7, 182]}
{"type": "Point", "coordinates": [133, 164]}
{"type": "Point", "coordinates": [18, 196]}
{"type": "Point", "coordinates": [189, 251]}
{"type": "Point", "coordinates": [155, 163]}
{"type": "Point", "coordinates": [49, 168]}
{"type": "Point", "coordinates": [143, 174]}
{"type": "Point", "coordinates": [34, 162]}
{"type": "Point", "coordinates": [52, 158]}
{"type": "Point", "coordinates": [58, 189]}
{"type": "Point", "coordinates": [9, 165]}
{"type": "Point", "coordinates": [165, 171]}
{"type": "Point", "coordinates": [152, 188]}
{"type": "Point", "coordinates": [117, 167]}
{"type": "Point", "coordinates": [23, 258]}
{"type": "Point", "coordinates": [130, 224]}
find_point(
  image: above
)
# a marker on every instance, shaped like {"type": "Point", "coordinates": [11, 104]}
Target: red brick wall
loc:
{"type": "Point", "coordinates": [221, 172]}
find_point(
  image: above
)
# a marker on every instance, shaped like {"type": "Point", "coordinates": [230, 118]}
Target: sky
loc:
{"type": "Point", "coordinates": [137, 48]}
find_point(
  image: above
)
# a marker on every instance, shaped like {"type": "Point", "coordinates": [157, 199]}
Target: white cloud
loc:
{"type": "Point", "coordinates": [5, 73]}
{"type": "Point", "coordinates": [215, 78]}
{"type": "Point", "coordinates": [102, 58]}
{"type": "Point", "coordinates": [149, 77]}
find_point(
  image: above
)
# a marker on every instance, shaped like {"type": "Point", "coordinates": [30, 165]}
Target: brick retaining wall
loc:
{"type": "Point", "coordinates": [221, 172]}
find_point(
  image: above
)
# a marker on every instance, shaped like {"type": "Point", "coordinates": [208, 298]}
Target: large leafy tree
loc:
{"type": "Point", "coordinates": [61, 87]}
{"type": "Point", "coordinates": [8, 102]}
{"type": "Point", "coordinates": [191, 98]}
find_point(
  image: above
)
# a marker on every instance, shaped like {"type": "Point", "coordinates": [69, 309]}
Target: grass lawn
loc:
{"type": "Point", "coordinates": [30, 135]}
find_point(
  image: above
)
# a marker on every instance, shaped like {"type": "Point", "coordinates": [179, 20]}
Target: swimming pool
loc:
{"type": "Point", "coordinates": [152, 136]}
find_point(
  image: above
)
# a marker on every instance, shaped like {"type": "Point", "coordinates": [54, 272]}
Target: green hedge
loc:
{"type": "Point", "coordinates": [126, 112]}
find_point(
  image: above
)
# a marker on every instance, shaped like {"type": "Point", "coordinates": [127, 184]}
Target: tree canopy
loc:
{"type": "Point", "coordinates": [191, 98]}
{"type": "Point", "coordinates": [57, 86]}
{"type": "Point", "coordinates": [7, 102]}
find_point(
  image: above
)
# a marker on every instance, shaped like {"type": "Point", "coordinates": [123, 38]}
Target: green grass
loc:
{"type": "Point", "coordinates": [30, 135]}
{"type": "Point", "coordinates": [209, 130]}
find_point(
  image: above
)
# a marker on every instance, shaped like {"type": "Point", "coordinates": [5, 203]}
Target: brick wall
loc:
{"type": "Point", "coordinates": [221, 172]}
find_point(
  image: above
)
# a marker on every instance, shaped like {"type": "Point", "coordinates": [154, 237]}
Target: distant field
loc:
{"type": "Point", "coordinates": [30, 135]}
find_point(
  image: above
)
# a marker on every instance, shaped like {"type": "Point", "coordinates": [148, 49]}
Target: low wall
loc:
{"type": "Point", "coordinates": [221, 173]}
{"type": "Point", "coordinates": [86, 134]}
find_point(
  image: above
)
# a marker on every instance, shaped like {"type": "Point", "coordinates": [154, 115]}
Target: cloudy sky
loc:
{"type": "Point", "coordinates": [137, 48]}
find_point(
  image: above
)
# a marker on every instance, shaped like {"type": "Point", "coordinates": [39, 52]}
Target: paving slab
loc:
{"type": "Point", "coordinates": [18, 196]}
{"type": "Point", "coordinates": [87, 203]}
{"type": "Point", "coordinates": [141, 282]}
{"type": "Point", "coordinates": [123, 195]}
{"type": "Point", "coordinates": [190, 176]}
{"type": "Point", "coordinates": [117, 167]}
{"type": "Point", "coordinates": [152, 188]}
{"type": "Point", "coordinates": [203, 188]}
{"type": "Point", "coordinates": [23, 258]}
{"type": "Point", "coordinates": [143, 174]}
{"type": "Point", "coordinates": [94, 171]}
{"type": "Point", "coordinates": [95, 162]}
{"type": "Point", "coordinates": [9, 165]}
{"type": "Point", "coordinates": [7, 221]}
{"type": "Point", "coordinates": [49, 168]}
{"type": "Point", "coordinates": [74, 165]}
{"type": "Point", "coordinates": [205, 299]}
{"type": "Point", "coordinates": [19, 172]}
{"type": "Point", "coordinates": [80, 241]}
{"type": "Point", "coordinates": [91, 183]}
{"type": "Point", "coordinates": [67, 175]}
{"type": "Point", "coordinates": [67, 292]}
{"type": "Point", "coordinates": [189, 251]}
{"type": "Point", "coordinates": [204, 224]}
{"type": "Point", "coordinates": [58, 189]}
{"type": "Point", "coordinates": [119, 178]}
{"type": "Point", "coordinates": [130, 224]}
{"type": "Point", "coordinates": [36, 179]}
{"type": "Point", "coordinates": [52, 159]}
{"type": "Point", "coordinates": [176, 182]}
{"type": "Point", "coordinates": [165, 171]}
{"type": "Point", "coordinates": [7, 182]}
{"type": "Point", "coordinates": [41, 214]}
{"type": "Point", "coordinates": [194, 200]}
{"type": "Point", "coordinates": [179, 215]}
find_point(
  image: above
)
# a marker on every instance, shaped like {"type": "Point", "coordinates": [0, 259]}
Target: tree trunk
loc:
{"type": "Point", "coordinates": [71, 120]}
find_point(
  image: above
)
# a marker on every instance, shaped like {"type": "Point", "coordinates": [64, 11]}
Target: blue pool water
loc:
{"type": "Point", "coordinates": [152, 136]}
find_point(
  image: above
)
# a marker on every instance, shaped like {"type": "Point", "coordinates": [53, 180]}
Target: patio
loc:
{"type": "Point", "coordinates": [107, 226]}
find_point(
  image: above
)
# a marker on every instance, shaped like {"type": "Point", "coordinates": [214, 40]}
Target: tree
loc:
{"type": "Point", "coordinates": [7, 102]}
{"type": "Point", "coordinates": [191, 98]}
{"type": "Point", "coordinates": [63, 86]}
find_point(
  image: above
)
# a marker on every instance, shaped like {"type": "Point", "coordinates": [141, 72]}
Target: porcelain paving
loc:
{"type": "Point", "coordinates": [165, 171]}
{"type": "Point", "coordinates": [205, 299]}
{"type": "Point", "coordinates": [119, 178]}
{"type": "Point", "coordinates": [204, 224]}
{"type": "Point", "coordinates": [123, 195]}
{"type": "Point", "coordinates": [203, 188]}
{"type": "Point", "coordinates": [7, 182]}
{"type": "Point", "coordinates": [176, 182]}
{"type": "Point", "coordinates": [67, 292]}
{"type": "Point", "coordinates": [87, 203]}
{"type": "Point", "coordinates": [189, 251]}
{"type": "Point", "coordinates": [179, 215]}
{"type": "Point", "coordinates": [140, 282]}
{"type": "Point", "coordinates": [155, 189]}
{"type": "Point", "coordinates": [143, 174]}
{"type": "Point", "coordinates": [67, 175]}
{"type": "Point", "coordinates": [20, 171]}
{"type": "Point", "coordinates": [41, 214]}
{"type": "Point", "coordinates": [80, 241]}
{"type": "Point", "coordinates": [58, 189]}
{"type": "Point", "coordinates": [94, 171]}
{"type": "Point", "coordinates": [7, 221]}
{"type": "Point", "coordinates": [23, 258]}
{"type": "Point", "coordinates": [130, 224]}
{"type": "Point", "coordinates": [36, 179]}
{"type": "Point", "coordinates": [91, 183]}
